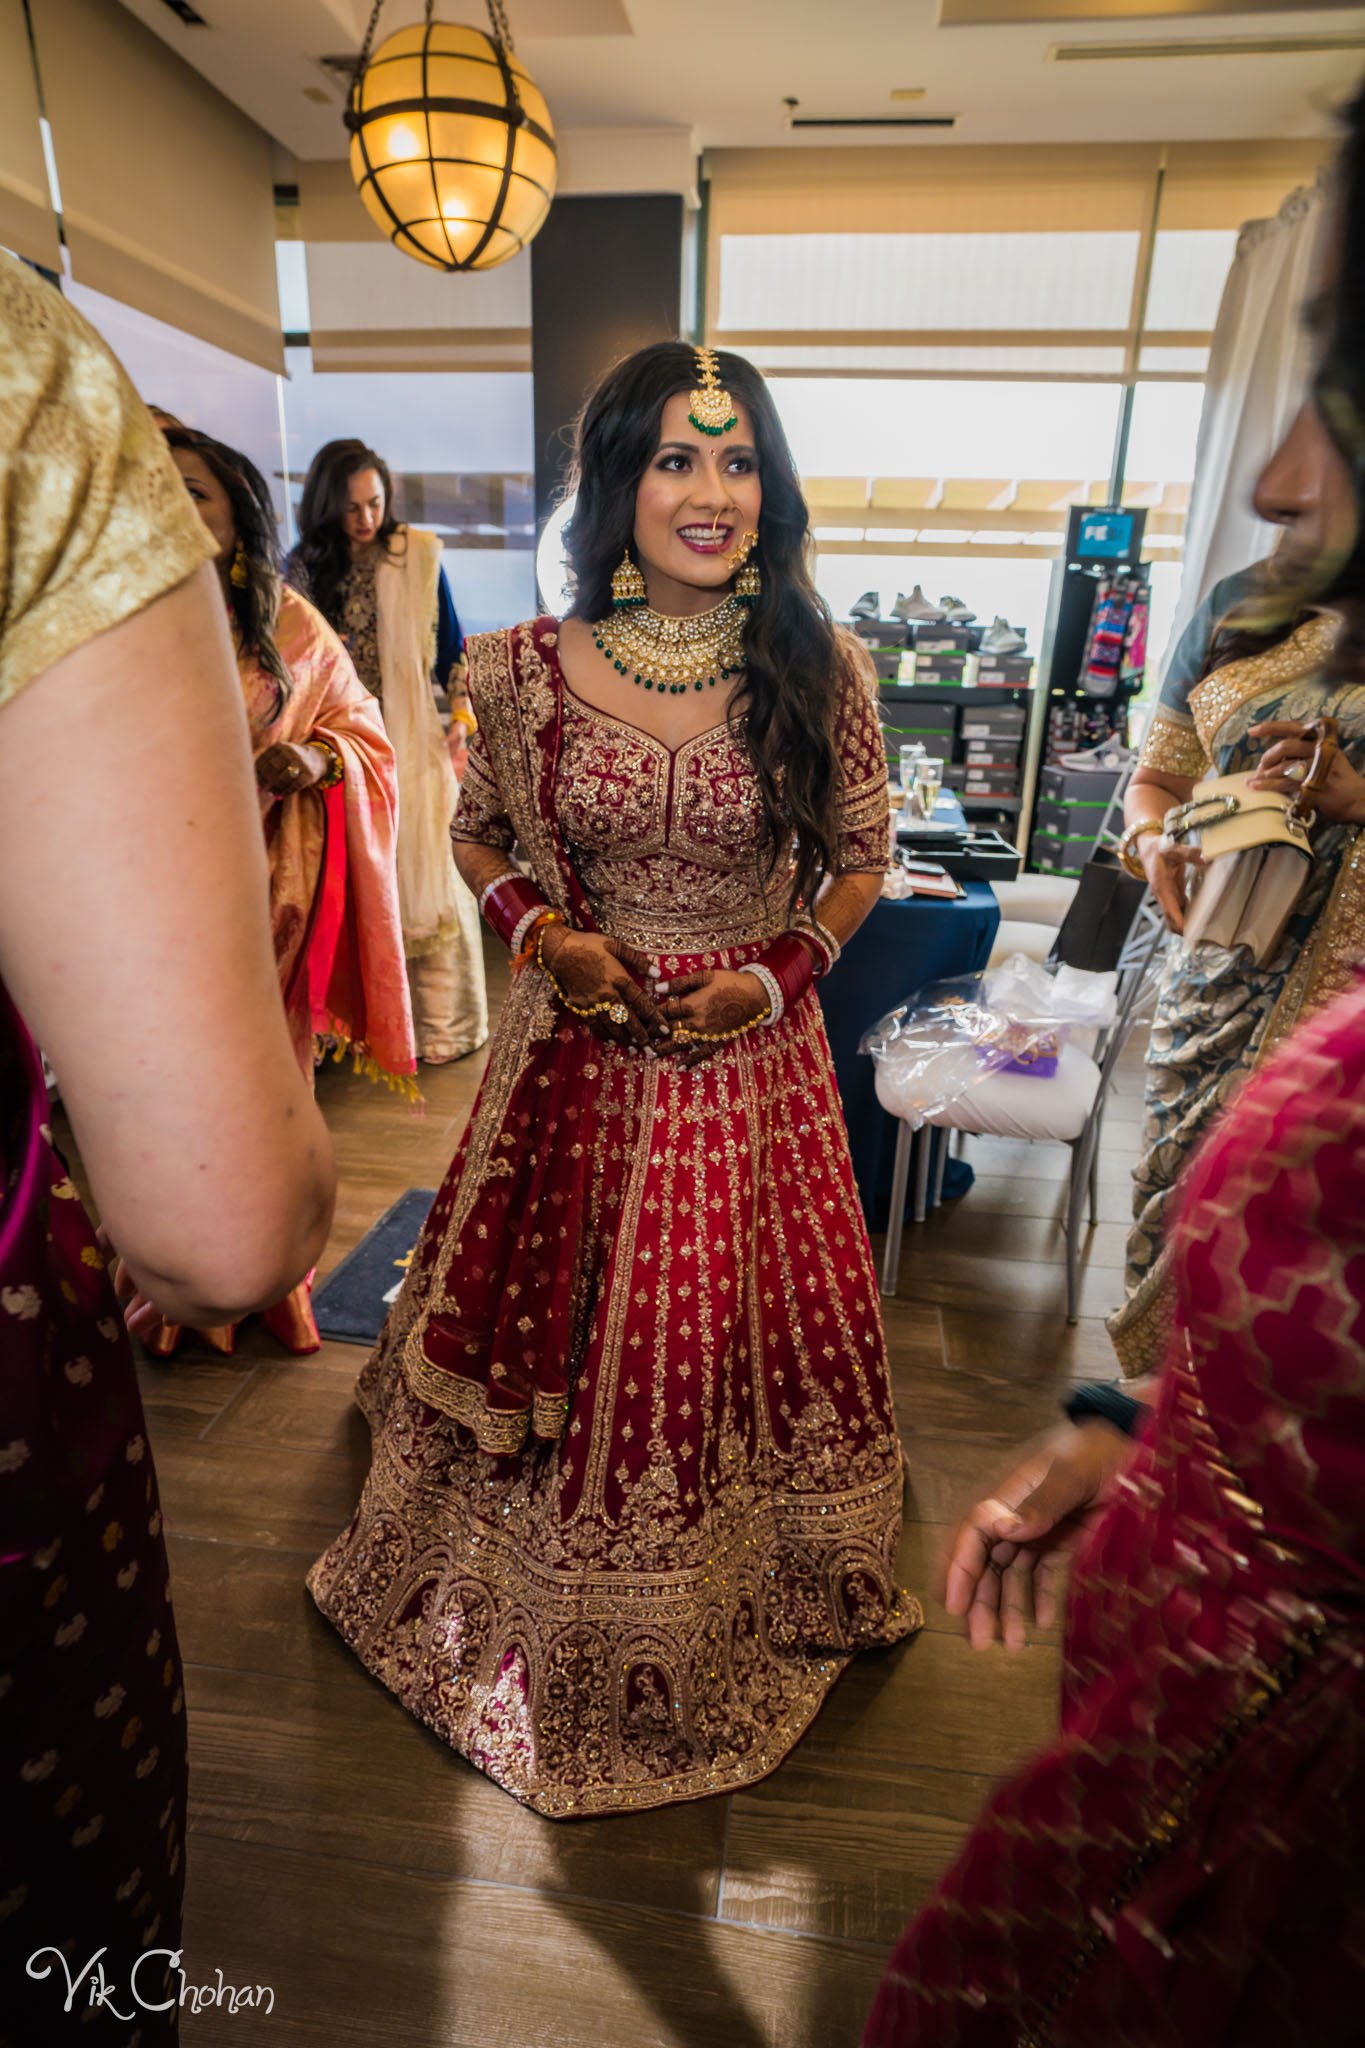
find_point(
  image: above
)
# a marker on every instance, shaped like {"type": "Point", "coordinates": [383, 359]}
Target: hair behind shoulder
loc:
{"type": "Point", "coordinates": [792, 676]}
{"type": "Point", "coordinates": [322, 555]}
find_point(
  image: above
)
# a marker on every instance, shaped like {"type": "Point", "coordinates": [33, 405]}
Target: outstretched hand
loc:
{"type": "Point", "coordinates": [1008, 1562]}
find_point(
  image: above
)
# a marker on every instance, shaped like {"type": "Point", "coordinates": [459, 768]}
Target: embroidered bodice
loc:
{"type": "Point", "coordinates": [669, 843]}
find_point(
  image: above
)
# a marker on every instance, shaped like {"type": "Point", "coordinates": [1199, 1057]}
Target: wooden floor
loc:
{"type": "Point", "coordinates": [391, 1896]}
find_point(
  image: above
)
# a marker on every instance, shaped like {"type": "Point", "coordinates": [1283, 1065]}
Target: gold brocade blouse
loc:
{"type": "Point", "coordinates": [95, 520]}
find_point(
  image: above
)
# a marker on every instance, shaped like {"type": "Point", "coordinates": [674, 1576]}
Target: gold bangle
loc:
{"type": "Point", "coordinates": [1127, 857]}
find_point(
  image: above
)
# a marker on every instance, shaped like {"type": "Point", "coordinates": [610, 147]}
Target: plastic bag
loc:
{"type": "Point", "coordinates": [1020, 987]}
{"type": "Point", "coordinates": [933, 1049]}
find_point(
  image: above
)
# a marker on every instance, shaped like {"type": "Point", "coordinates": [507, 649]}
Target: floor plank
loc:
{"type": "Point", "coordinates": [362, 1955]}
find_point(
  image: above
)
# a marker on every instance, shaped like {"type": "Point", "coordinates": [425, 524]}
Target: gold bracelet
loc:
{"type": "Point", "coordinates": [724, 1037]}
{"type": "Point", "coordinates": [1134, 832]}
{"type": "Point", "coordinates": [614, 1011]}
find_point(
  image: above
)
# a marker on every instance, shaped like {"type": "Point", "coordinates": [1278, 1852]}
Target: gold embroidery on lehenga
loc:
{"type": "Point", "coordinates": [650, 1602]}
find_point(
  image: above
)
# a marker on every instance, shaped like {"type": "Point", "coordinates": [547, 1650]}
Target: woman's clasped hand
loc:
{"type": "Point", "coordinates": [286, 767]}
{"type": "Point", "coordinates": [619, 993]}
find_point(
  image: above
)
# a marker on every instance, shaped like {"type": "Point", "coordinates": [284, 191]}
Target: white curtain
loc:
{"type": "Point", "coordinates": [1258, 375]}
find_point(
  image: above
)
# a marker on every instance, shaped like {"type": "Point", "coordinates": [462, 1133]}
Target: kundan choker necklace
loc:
{"type": "Point", "coordinates": [675, 655]}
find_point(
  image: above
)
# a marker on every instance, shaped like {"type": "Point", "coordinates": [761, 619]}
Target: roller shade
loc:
{"type": "Point", "coordinates": [26, 221]}
{"type": "Point", "coordinates": [167, 191]}
{"type": "Point", "coordinates": [1011, 260]}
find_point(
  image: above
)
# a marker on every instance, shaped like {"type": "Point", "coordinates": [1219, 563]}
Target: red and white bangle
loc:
{"type": "Point", "coordinates": [508, 904]}
{"type": "Point", "coordinates": [786, 969]}
{"type": "Point", "coordinates": [825, 944]}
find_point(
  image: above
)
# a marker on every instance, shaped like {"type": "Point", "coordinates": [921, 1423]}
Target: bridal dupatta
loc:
{"type": "Point", "coordinates": [333, 889]}
{"type": "Point", "coordinates": [1186, 1864]}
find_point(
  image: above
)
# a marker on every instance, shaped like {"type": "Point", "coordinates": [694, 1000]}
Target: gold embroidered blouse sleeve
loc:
{"type": "Point", "coordinates": [95, 521]}
{"type": "Point", "coordinates": [1173, 746]}
{"type": "Point", "coordinates": [479, 816]}
{"type": "Point", "coordinates": [865, 814]}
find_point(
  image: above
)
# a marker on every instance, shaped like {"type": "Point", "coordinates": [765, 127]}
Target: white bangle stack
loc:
{"type": "Point", "coordinates": [524, 926]}
{"type": "Point", "coordinates": [772, 988]}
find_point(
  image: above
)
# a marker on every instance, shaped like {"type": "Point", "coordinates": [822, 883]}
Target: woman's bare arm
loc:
{"type": "Point", "coordinates": [134, 936]}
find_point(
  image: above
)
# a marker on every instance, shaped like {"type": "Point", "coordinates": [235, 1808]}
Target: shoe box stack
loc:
{"type": "Point", "coordinates": [992, 736]}
{"type": "Point", "coordinates": [1070, 810]}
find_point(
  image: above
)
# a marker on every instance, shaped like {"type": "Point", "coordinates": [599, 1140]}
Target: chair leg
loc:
{"type": "Point", "coordinates": [926, 1141]}
{"type": "Point", "coordinates": [942, 1142]}
{"type": "Point", "coordinates": [1095, 1136]}
{"type": "Point", "coordinates": [1073, 1229]}
{"type": "Point", "coordinates": [895, 1222]}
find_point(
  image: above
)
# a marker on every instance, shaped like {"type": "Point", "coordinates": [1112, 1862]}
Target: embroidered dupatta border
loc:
{"type": "Point", "coordinates": [518, 704]}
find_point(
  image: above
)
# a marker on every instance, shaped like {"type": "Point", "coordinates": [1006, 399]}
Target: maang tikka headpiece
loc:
{"type": "Point", "coordinates": [711, 408]}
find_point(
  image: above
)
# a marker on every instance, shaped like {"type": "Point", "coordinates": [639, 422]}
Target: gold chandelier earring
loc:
{"type": "Point", "coordinates": [748, 583]}
{"type": "Point", "coordinates": [627, 585]}
{"type": "Point", "coordinates": [240, 572]}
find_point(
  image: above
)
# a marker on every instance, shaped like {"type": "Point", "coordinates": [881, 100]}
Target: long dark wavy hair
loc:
{"type": "Point", "coordinates": [790, 686]}
{"type": "Point", "coordinates": [1336, 320]}
{"type": "Point", "coordinates": [321, 555]}
{"type": "Point", "coordinates": [254, 604]}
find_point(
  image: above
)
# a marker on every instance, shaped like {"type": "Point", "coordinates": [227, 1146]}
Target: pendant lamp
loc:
{"type": "Point", "coordinates": [452, 145]}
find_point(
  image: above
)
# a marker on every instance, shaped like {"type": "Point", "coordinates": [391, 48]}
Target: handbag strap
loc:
{"type": "Point", "coordinates": [1325, 734]}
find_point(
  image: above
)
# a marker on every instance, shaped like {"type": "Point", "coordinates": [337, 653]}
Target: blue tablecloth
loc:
{"type": "Point", "coordinates": [899, 949]}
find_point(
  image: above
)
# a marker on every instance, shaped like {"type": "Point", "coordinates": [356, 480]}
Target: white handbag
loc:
{"type": "Point", "coordinates": [1256, 851]}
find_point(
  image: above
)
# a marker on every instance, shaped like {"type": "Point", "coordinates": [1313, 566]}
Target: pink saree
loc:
{"type": "Point", "coordinates": [333, 882]}
{"type": "Point", "coordinates": [1186, 1864]}
{"type": "Point", "coordinates": [333, 893]}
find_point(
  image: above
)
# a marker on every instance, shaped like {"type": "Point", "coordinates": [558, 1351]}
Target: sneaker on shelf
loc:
{"type": "Point", "coordinates": [1107, 757]}
{"type": "Point", "coordinates": [869, 606]}
{"type": "Point", "coordinates": [955, 611]}
{"type": "Point", "coordinates": [916, 609]}
{"type": "Point", "coordinates": [1003, 638]}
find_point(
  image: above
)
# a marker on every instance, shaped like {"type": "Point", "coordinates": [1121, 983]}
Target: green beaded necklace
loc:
{"type": "Point", "coordinates": [674, 656]}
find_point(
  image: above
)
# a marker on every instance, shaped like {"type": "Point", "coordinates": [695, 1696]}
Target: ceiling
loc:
{"type": "Point", "coordinates": [724, 69]}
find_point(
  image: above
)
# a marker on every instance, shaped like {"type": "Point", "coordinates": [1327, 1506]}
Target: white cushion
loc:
{"type": "Point", "coordinates": [1018, 936]}
{"type": "Point", "coordinates": [1037, 899]}
{"type": "Point", "coordinates": [998, 1105]}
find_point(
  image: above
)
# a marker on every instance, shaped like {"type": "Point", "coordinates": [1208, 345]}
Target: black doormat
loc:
{"type": "Point", "coordinates": [352, 1303]}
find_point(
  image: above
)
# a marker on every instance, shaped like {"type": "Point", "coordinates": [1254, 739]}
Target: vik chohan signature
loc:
{"type": "Point", "coordinates": [143, 1983]}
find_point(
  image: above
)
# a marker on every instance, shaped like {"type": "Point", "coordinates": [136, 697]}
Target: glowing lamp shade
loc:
{"type": "Point", "coordinates": [452, 146]}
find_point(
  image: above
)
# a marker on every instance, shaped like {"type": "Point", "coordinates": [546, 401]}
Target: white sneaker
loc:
{"type": "Point", "coordinates": [869, 606]}
{"type": "Point", "coordinates": [1003, 638]}
{"type": "Point", "coordinates": [916, 609]}
{"type": "Point", "coordinates": [956, 612]}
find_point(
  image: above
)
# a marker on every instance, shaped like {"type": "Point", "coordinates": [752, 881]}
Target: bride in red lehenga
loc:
{"type": "Point", "coordinates": [636, 1488]}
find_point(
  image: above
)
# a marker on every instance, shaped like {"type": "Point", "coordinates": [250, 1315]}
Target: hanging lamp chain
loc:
{"type": "Point", "coordinates": [497, 15]}
{"type": "Point", "coordinates": [502, 34]}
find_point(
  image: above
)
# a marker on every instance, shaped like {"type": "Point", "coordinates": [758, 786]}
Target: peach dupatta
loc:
{"type": "Point", "coordinates": [333, 878]}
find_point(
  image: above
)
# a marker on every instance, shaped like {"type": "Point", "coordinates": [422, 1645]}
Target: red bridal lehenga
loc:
{"type": "Point", "coordinates": [636, 1487]}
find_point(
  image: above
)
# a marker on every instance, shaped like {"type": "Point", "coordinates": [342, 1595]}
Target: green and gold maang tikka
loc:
{"type": "Point", "coordinates": [711, 408]}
